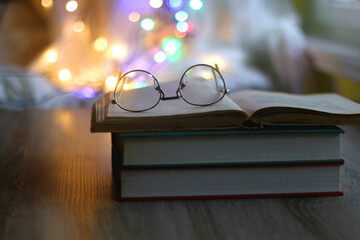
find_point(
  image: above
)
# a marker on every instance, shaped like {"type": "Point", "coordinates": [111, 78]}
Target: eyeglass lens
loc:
{"type": "Point", "coordinates": [202, 85]}
{"type": "Point", "coordinates": [136, 91]}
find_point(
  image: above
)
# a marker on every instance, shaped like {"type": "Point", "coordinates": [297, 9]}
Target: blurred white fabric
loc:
{"type": "Point", "coordinates": [20, 90]}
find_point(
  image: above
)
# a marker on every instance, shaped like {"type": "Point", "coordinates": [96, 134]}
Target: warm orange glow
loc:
{"type": "Point", "coordinates": [64, 74]}
{"type": "Point", "coordinates": [110, 81]}
{"type": "Point", "coordinates": [51, 55]}
{"type": "Point", "coordinates": [180, 34]}
{"type": "Point", "coordinates": [46, 3]}
{"type": "Point", "coordinates": [118, 51]}
{"type": "Point", "coordinates": [100, 44]}
{"type": "Point", "coordinates": [79, 26]}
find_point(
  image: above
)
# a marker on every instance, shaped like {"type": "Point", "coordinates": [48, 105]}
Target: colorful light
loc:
{"type": "Point", "coordinates": [182, 26]}
{"type": "Point", "coordinates": [191, 26]}
{"type": "Point", "coordinates": [51, 55]}
{"type": "Point", "coordinates": [79, 26]}
{"type": "Point", "coordinates": [88, 92]}
{"type": "Point", "coordinates": [179, 34]}
{"type": "Point", "coordinates": [64, 74]}
{"type": "Point", "coordinates": [174, 4]}
{"type": "Point", "coordinates": [181, 16]}
{"type": "Point", "coordinates": [171, 45]}
{"type": "Point", "coordinates": [118, 51]}
{"type": "Point", "coordinates": [110, 81]}
{"type": "Point", "coordinates": [100, 44]}
{"type": "Point", "coordinates": [160, 57]}
{"type": "Point", "coordinates": [156, 3]}
{"type": "Point", "coordinates": [71, 6]}
{"type": "Point", "coordinates": [147, 24]}
{"type": "Point", "coordinates": [134, 16]}
{"type": "Point", "coordinates": [196, 4]}
{"type": "Point", "coordinates": [46, 3]}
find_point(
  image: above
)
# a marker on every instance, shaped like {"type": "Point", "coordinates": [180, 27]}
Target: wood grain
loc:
{"type": "Point", "coordinates": [56, 183]}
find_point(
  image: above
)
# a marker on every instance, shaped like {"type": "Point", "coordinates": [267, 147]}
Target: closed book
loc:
{"type": "Point", "coordinates": [269, 145]}
{"type": "Point", "coordinates": [187, 182]}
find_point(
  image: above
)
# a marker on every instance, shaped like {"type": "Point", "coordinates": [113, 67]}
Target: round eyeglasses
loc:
{"type": "Point", "coordinates": [139, 90]}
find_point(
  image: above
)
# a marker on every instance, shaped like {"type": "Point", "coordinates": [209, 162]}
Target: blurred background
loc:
{"type": "Point", "coordinates": [60, 53]}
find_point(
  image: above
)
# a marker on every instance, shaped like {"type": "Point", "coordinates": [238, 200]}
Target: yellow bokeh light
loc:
{"type": "Point", "coordinates": [64, 74]}
{"type": "Point", "coordinates": [79, 26]}
{"type": "Point", "coordinates": [134, 16]}
{"type": "Point", "coordinates": [118, 51]}
{"type": "Point", "coordinates": [100, 44]}
{"type": "Point", "coordinates": [214, 59]}
{"type": "Point", "coordinates": [156, 3]}
{"type": "Point", "coordinates": [110, 81]}
{"type": "Point", "coordinates": [71, 6]}
{"type": "Point", "coordinates": [206, 75]}
{"type": "Point", "coordinates": [126, 86]}
{"type": "Point", "coordinates": [46, 3]}
{"type": "Point", "coordinates": [51, 55]}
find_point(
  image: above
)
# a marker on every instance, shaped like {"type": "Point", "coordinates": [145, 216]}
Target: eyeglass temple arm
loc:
{"type": "Point", "coordinates": [113, 101]}
{"type": "Point", "coordinates": [214, 74]}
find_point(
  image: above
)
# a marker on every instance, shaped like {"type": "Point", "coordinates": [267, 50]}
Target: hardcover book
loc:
{"type": "Point", "coordinates": [229, 181]}
{"type": "Point", "coordinates": [270, 145]}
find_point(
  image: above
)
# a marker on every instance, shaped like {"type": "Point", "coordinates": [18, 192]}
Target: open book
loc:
{"type": "Point", "coordinates": [238, 109]}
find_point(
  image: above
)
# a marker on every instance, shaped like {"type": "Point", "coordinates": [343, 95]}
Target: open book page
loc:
{"type": "Point", "coordinates": [254, 100]}
{"type": "Point", "coordinates": [171, 107]}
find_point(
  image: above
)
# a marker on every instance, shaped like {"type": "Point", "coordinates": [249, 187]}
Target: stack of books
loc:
{"type": "Point", "coordinates": [177, 151]}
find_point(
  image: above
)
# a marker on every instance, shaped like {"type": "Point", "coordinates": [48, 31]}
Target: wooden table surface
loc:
{"type": "Point", "coordinates": [56, 183]}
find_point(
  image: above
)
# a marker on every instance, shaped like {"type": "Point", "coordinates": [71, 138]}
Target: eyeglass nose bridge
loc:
{"type": "Point", "coordinates": [164, 98]}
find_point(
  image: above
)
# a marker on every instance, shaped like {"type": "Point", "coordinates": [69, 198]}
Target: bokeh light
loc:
{"type": "Point", "coordinates": [171, 45]}
{"type": "Point", "coordinates": [100, 44]}
{"type": "Point", "coordinates": [71, 6]}
{"type": "Point", "coordinates": [118, 51]}
{"type": "Point", "coordinates": [88, 92]}
{"type": "Point", "coordinates": [64, 74]}
{"type": "Point", "coordinates": [182, 27]}
{"type": "Point", "coordinates": [147, 24]}
{"type": "Point", "coordinates": [174, 4]}
{"type": "Point", "coordinates": [78, 26]}
{"type": "Point", "coordinates": [51, 55]}
{"type": "Point", "coordinates": [160, 57]}
{"type": "Point", "coordinates": [110, 82]}
{"type": "Point", "coordinates": [190, 26]}
{"type": "Point", "coordinates": [46, 3]}
{"type": "Point", "coordinates": [181, 16]}
{"type": "Point", "coordinates": [179, 34]}
{"type": "Point", "coordinates": [134, 16]}
{"type": "Point", "coordinates": [156, 3]}
{"type": "Point", "coordinates": [196, 4]}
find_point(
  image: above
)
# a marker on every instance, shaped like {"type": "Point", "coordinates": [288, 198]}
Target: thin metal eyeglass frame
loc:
{"type": "Point", "coordinates": [178, 91]}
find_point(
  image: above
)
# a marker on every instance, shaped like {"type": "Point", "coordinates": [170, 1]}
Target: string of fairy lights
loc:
{"type": "Point", "coordinates": [169, 29]}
